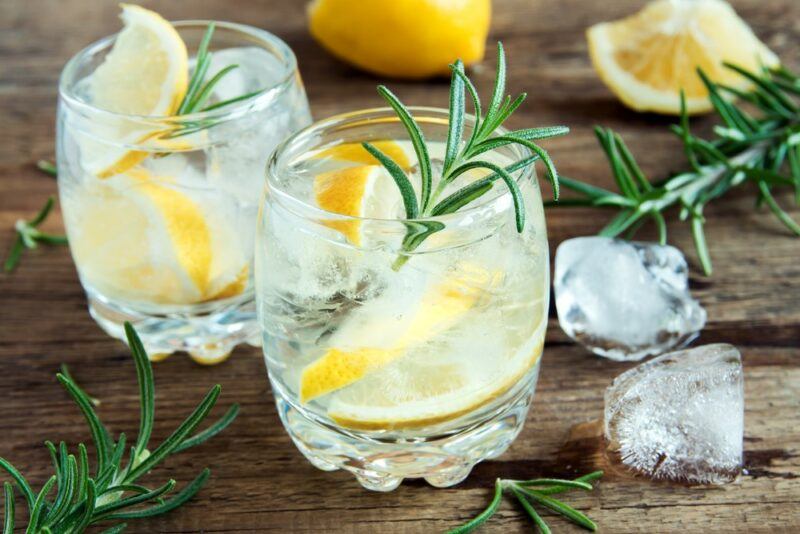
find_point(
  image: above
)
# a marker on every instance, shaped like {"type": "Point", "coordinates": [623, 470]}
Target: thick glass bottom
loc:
{"type": "Point", "coordinates": [381, 462]}
{"type": "Point", "coordinates": [207, 335]}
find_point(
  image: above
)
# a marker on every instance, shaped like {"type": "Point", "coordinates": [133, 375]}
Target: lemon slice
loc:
{"type": "Point", "coordinates": [431, 388]}
{"type": "Point", "coordinates": [361, 191]}
{"type": "Point", "coordinates": [146, 73]}
{"type": "Point", "coordinates": [410, 360]}
{"type": "Point", "coordinates": [356, 153]}
{"type": "Point", "coordinates": [138, 237]}
{"type": "Point", "coordinates": [440, 307]}
{"type": "Point", "coordinates": [647, 58]}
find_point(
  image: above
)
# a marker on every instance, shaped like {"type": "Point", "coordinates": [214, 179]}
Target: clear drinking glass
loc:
{"type": "Point", "coordinates": [388, 363]}
{"type": "Point", "coordinates": [161, 214]}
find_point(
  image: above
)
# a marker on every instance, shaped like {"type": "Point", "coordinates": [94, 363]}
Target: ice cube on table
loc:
{"type": "Point", "coordinates": [624, 300]}
{"type": "Point", "coordinates": [680, 416]}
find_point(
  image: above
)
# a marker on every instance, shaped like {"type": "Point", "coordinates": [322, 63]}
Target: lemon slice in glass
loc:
{"type": "Point", "coordinates": [360, 191]}
{"type": "Point", "coordinates": [647, 58]}
{"type": "Point", "coordinates": [140, 237]}
{"type": "Point", "coordinates": [146, 73]}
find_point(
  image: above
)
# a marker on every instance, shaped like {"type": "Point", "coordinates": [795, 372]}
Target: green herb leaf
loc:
{"type": "Point", "coordinates": [8, 508]}
{"type": "Point", "coordinates": [47, 167]}
{"type": "Point", "coordinates": [399, 177]}
{"type": "Point", "coordinates": [532, 513]}
{"type": "Point", "coordinates": [417, 141]}
{"type": "Point", "coordinates": [486, 514]}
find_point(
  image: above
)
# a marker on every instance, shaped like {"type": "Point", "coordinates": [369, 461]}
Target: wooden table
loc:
{"type": "Point", "coordinates": [260, 482]}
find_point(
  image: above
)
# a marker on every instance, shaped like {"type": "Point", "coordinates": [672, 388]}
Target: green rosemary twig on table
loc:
{"type": "Point", "coordinates": [536, 492]}
{"type": "Point", "coordinates": [762, 149]}
{"type": "Point", "coordinates": [29, 236]}
{"type": "Point", "coordinates": [74, 498]}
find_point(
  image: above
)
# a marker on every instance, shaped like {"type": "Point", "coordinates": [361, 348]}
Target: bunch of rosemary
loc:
{"type": "Point", "coordinates": [537, 491]}
{"type": "Point", "coordinates": [463, 155]}
{"type": "Point", "coordinates": [113, 493]}
{"type": "Point", "coordinates": [761, 148]}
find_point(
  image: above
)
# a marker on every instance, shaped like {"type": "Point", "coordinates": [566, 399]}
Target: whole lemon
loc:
{"type": "Point", "coordinates": [402, 38]}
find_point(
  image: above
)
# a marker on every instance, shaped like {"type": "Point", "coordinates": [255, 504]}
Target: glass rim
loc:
{"type": "Point", "coordinates": [387, 114]}
{"type": "Point", "coordinates": [285, 54]}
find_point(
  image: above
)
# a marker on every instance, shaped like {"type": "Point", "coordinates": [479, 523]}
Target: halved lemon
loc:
{"type": "Point", "coordinates": [146, 73]}
{"type": "Point", "coordinates": [361, 191]}
{"type": "Point", "coordinates": [138, 237]}
{"type": "Point", "coordinates": [402, 38]}
{"type": "Point", "coordinates": [647, 58]}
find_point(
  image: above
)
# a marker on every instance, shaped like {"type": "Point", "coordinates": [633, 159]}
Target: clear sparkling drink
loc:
{"type": "Point", "coordinates": [388, 362]}
{"type": "Point", "coordinates": [160, 211]}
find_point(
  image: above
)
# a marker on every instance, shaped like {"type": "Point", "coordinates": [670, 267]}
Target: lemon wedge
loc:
{"type": "Point", "coordinates": [360, 191]}
{"type": "Point", "coordinates": [647, 58]}
{"type": "Point", "coordinates": [429, 390]}
{"type": "Point", "coordinates": [439, 309]}
{"type": "Point", "coordinates": [418, 359]}
{"type": "Point", "coordinates": [146, 73]}
{"type": "Point", "coordinates": [138, 237]}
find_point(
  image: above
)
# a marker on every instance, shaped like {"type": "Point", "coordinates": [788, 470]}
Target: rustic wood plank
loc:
{"type": "Point", "coordinates": [260, 483]}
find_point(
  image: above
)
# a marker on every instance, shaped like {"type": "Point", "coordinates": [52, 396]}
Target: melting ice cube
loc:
{"type": "Point", "coordinates": [680, 416]}
{"type": "Point", "coordinates": [624, 300]}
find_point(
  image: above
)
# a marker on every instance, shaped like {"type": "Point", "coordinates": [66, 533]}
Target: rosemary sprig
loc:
{"type": "Point", "coordinates": [112, 493]}
{"type": "Point", "coordinates": [29, 236]}
{"type": "Point", "coordinates": [461, 155]}
{"type": "Point", "coordinates": [536, 491]}
{"type": "Point", "coordinates": [199, 91]}
{"type": "Point", "coordinates": [762, 149]}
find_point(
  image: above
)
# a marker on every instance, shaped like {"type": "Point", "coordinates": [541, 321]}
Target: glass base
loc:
{"type": "Point", "coordinates": [208, 336]}
{"type": "Point", "coordinates": [381, 463]}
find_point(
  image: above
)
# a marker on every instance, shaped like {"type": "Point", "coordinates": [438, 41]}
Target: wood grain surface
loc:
{"type": "Point", "coordinates": [260, 483]}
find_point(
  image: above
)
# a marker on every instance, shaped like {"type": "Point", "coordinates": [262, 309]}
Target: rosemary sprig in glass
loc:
{"type": "Point", "coordinates": [74, 499]}
{"type": "Point", "coordinates": [763, 149]}
{"type": "Point", "coordinates": [536, 492]}
{"type": "Point", "coordinates": [463, 155]}
{"type": "Point", "coordinates": [29, 236]}
{"type": "Point", "coordinates": [200, 90]}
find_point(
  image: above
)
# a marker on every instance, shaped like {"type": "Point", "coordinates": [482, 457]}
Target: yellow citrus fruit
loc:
{"type": "Point", "coordinates": [438, 310]}
{"type": "Point", "coordinates": [138, 237]}
{"type": "Point", "coordinates": [647, 58]}
{"type": "Point", "coordinates": [389, 368]}
{"type": "Point", "coordinates": [437, 389]}
{"type": "Point", "coordinates": [146, 73]}
{"type": "Point", "coordinates": [361, 191]}
{"type": "Point", "coordinates": [402, 38]}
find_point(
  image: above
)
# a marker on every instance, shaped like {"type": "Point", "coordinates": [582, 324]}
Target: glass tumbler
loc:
{"type": "Point", "coordinates": [161, 211]}
{"type": "Point", "coordinates": [385, 360]}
